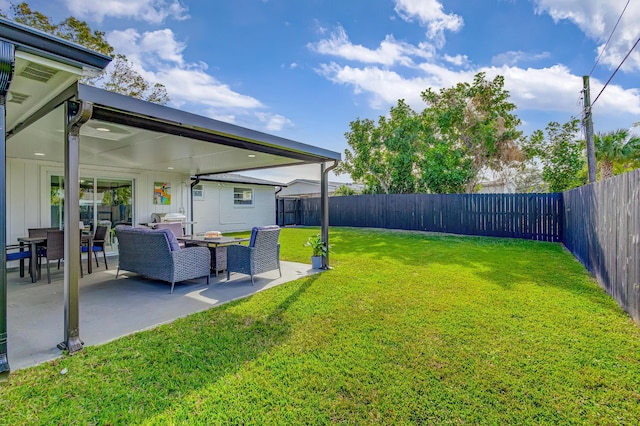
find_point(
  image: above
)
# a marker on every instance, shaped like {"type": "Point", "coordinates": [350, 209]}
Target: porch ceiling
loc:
{"type": "Point", "coordinates": [130, 133]}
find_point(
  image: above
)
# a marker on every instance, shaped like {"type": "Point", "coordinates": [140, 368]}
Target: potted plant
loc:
{"type": "Point", "coordinates": [318, 250]}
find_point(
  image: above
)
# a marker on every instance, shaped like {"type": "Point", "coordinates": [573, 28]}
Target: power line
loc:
{"type": "Point", "coordinates": [614, 73]}
{"type": "Point", "coordinates": [610, 35]}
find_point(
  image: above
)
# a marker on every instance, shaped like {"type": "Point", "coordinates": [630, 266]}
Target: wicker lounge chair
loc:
{"type": "Point", "coordinates": [262, 254]}
{"type": "Point", "coordinates": [156, 254]}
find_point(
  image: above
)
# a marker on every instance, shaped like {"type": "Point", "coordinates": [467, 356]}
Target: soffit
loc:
{"type": "Point", "coordinates": [134, 148]}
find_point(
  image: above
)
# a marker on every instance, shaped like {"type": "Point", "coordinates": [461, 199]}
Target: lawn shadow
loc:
{"type": "Point", "coordinates": [121, 383]}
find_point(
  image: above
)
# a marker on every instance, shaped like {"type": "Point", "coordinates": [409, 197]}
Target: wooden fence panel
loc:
{"type": "Point", "coordinates": [530, 216]}
{"type": "Point", "coordinates": [602, 230]}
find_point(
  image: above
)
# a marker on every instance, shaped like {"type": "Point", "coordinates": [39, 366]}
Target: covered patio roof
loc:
{"type": "Point", "coordinates": [47, 114]}
{"type": "Point", "coordinates": [128, 132]}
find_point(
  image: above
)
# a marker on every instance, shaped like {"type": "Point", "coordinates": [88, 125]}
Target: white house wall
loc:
{"type": "Point", "coordinates": [28, 193]}
{"type": "Point", "coordinates": [216, 212]}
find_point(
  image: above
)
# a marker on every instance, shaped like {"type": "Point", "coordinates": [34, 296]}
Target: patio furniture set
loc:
{"type": "Point", "coordinates": [157, 253]}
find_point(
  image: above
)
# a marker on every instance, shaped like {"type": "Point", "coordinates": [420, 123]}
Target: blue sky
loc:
{"type": "Point", "coordinates": [305, 69]}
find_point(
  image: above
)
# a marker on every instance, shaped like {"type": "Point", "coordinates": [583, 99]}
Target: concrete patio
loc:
{"type": "Point", "coordinates": [111, 308]}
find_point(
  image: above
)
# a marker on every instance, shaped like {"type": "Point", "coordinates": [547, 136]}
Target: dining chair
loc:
{"type": "Point", "coordinates": [18, 252]}
{"type": "Point", "coordinates": [53, 249]}
{"type": "Point", "coordinates": [99, 239]}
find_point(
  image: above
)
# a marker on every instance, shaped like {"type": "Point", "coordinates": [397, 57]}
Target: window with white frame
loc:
{"type": "Point", "coordinates": [242, 196]}
{"type": "Point", "coordinates": [198, 192]}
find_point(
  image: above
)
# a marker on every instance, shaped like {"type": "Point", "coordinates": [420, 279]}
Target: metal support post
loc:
{"type": "Point", "coordinates": [7, 63]}
{"type": "Point", "coordinates": [76, 114]}
{"type": "Point", "coordinates": [324, 209]}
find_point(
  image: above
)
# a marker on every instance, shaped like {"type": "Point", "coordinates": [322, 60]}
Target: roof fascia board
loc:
{"type": "Point", "coordinates": [204, 178]}
{"type": "Point", "coordinates": [122, 109]}
{"type": "Point", "coordinates": [69, 93]}
{"type": "Point", "coordinates": [51, 47]}
{"type": "Point", "coordinates": [236, 170]}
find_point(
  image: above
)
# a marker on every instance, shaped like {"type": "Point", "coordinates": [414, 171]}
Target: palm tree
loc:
{"type": "Point", "coordinates": [615, 147]}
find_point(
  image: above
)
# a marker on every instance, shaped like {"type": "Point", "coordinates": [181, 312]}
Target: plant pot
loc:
{"type": "Point", "coordinates": [316, 262]}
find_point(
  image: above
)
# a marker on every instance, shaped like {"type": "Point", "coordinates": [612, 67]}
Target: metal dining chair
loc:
{"type": "Point", "coordinates": [18, 252]}
{"type": "Point", "coordinates": [53, 250]}
{"type": "Point", "coordinates": [99, 239]}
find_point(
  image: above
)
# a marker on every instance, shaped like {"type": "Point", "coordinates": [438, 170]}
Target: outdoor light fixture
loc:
{"type": "Point", "coordinates": [252, 156]}
{"type": "Point", "coordinates": [170, 168]}
{"type": "Point", "coordinates": [39, 154]}
{"type": "Point", "coordinates": [102, 129]}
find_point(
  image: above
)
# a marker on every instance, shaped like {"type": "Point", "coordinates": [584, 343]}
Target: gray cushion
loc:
{"type": "Point", "coordinates": [173, 242]}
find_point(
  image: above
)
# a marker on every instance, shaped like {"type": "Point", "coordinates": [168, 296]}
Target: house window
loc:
{"type": "Point", "coordinates": [242, 196]}
{"type": "Point", "coordinates": [198, 192]}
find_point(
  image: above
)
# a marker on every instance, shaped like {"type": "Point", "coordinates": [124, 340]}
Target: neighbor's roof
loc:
{"type": "Point", "coordinates": [317, 182]}
{"type": "Point", "coordinates": [235, 178]}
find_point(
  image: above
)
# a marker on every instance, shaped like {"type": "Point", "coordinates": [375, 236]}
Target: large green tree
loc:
{"type": "Point", "coordinates": [560, 152]}
{"type": "Point", "coordinates": [616, 148]}
{"type": "Point", "coordinates": [463, 130]}
{"type": "Point", "coordinates": [383, 154]}
{"type": "Point", "coordinates": [121, 77]}
{"type": "Point", "coordinates": [475, 120]}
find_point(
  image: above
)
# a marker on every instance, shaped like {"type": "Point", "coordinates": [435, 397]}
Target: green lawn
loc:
{"type": "Point", "coordinates": [406, 329]}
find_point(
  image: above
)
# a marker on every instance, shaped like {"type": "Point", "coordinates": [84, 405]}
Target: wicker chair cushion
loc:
{"type": "Point", "coordinates": [173, 242]}
{"type": "Point", "coordinates": [171, 238]}
{"type": "Point", "coordinates": [255, 230]}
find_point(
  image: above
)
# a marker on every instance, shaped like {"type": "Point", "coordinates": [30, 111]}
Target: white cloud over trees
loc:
{"type": "Point", "coordinates": [381, 78]}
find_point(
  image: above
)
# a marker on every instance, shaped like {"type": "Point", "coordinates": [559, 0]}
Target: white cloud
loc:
{"type": "Point", "coordinates": [274, 122]}
{"type": "Point", "coordinates": [512, 58]}
{"type": "Point", "coordinates": [384, 87]}
{"type": "Point", "coordinates": [152, 11]}
{"type": "Point", "coordinates": [596, 18]}
{"type": "Point", "coordinates": [389, 52]}
{"type": "Point", "coordinates": [158, 56]}
{"type": "Point", "coordinates": [430, 13]}
{"type": "Point", "coordinates": [548, 89]}
{"type": "Point", "coordinates": [459, 60]}
{"type": "Point", "coordinates": [149, 48]}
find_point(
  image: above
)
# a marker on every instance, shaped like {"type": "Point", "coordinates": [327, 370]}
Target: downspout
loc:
{"type": "Point", "coordinates": [194, 183]}
{"type": "Point", "coordinates": [324, 208]}
{"type": "Point", "coordinates": [7, 63]}
{"type": "Point", "coordinates": [276, 197]}
{"type": "Point", "coordinates": [76, 113]}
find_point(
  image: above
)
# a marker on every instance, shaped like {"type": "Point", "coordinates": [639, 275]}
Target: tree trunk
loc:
{"type": "Point", "coordinates": [606, 170]}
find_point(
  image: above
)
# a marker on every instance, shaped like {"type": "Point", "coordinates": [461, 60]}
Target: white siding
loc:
{"type": "Point", "coordinates": [216, 212]}
{"type": "Point", "coordinates": [28, 193]}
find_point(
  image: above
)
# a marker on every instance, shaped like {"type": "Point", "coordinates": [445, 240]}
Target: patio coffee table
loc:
{"type": "Point", "coordinates": [217, 247]}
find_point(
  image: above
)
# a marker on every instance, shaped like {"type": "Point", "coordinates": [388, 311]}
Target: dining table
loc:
{"type": "Point", "coordinates": [85, 239]}
{"type": "Point", "coordinates": [217, 246]}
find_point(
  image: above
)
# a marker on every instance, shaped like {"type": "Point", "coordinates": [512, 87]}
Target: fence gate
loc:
{"type": "Point", "coordinates": [288, 211]}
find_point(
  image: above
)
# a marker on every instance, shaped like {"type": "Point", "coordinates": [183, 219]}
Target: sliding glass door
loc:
{"type": "Point", "coordinates": [101, 200]}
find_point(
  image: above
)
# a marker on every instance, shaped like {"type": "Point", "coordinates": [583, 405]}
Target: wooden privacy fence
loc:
{"type": "Point", "coordinates": [530, 216]}
{"type": "Point", "coordinates": [602, 230]}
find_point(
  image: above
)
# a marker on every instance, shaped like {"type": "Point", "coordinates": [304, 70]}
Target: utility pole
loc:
{"type": "Point", "coordinates": [587, 121]}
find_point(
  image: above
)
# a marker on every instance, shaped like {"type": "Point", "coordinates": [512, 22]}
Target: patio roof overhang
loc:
{"type": "Point", "coordinates": [45, 111]}
{"type": "Point", "coordinates": [128, 132]}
